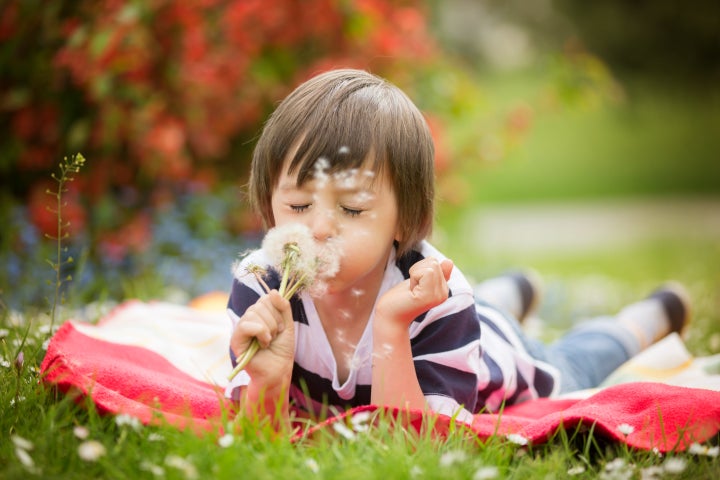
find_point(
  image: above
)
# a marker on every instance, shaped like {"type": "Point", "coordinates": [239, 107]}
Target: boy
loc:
{"type": "Point", "coordinates": [350, 156]}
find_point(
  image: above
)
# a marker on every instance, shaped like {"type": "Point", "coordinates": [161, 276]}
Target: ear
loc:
{"type": "Point", "coordinates": [399, 237]}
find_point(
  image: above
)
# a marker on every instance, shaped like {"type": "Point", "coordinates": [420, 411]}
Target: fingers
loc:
{"type": "Point", "coordinates": [447, 268]}
{"type": "Point", "coordinates": [264, 320]}
{"type": "Point", "coordinates": [428, 279]}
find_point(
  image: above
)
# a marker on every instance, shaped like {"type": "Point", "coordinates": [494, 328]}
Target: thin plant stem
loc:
{"type": "Point", "coordinates": [67, 169]}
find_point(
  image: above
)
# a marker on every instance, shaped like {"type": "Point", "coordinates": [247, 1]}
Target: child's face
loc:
{"type": "Point", "coordinates": [356, 209]}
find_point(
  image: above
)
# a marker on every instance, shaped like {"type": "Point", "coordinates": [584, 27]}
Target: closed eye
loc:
{"type": "Point", "coordinates": [352, 212]}
{"type": "Point", "coordinates": [299, 208]}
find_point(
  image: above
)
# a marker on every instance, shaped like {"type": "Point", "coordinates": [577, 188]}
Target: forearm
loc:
{"type": "Point", "coordinates": [394, 381]}
{"type": "Point", "coordinates": [267, 400]}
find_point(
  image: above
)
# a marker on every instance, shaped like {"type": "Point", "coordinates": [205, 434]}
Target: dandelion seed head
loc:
{"type": "Point", "coordinates": [91, 450]}
{"type": "Point", "coordinates": [4, 332]}
{"type": "Point", "coordinates": [4, 363]}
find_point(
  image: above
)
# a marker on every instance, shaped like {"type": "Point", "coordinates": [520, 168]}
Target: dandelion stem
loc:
{"type": "Point", "coordinates": [297, 285]}
{"type": "Point", "coordinates": [245, 358]}
{"type": "Point", "coordinates": [262, 283]}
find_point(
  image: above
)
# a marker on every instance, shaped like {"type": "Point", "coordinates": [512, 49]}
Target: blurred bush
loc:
{"type": "Point", "coordinates": [163, 97]}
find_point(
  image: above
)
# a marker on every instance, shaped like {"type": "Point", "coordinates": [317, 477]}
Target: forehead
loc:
{"type": "Point", "coordinates": [323, 175]}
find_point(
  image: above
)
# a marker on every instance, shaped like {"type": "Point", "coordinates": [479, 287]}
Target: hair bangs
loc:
{"type": "Point", "coordinates": [341, 138]}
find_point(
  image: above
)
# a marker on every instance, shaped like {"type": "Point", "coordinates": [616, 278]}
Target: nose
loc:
{"type": "Point", "coordinates": [323, 224]}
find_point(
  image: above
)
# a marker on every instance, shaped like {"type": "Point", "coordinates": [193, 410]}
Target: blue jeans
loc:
{"type": "Point", "coordinates": [587, 354]}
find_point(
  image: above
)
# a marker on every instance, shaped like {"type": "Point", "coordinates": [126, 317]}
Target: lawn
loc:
{"type": "Point", "coordinates": [635, 151]}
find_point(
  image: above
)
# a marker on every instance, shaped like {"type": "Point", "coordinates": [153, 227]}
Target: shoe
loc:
{"type": "Point", "coordinates": [516, 292]}
{"type": "Point", "coordinates": [676, 302]}
{"type": "Point", "coordinates": [529, 284]}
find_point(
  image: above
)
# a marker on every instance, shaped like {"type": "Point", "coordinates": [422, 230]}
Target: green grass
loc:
{"type": "Point", "coordinates": [654, 146]}
{"type": "Point", "coordinates": [56, 428]}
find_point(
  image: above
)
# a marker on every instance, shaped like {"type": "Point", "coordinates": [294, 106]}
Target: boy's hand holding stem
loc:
{"type": "Point", "coordinates": [269, 323]}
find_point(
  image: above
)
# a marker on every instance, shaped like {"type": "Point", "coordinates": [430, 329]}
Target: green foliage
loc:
{"type": "Point", "coordinates": [669, 39]}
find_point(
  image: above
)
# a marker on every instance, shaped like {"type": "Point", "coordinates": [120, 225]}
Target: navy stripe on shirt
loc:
{"type": "Point", "coordinates": [314, 383]}
{"type": "Point", "coordinates": [440, 379]}
{"type": "Point", "coordinates": [447, 333]}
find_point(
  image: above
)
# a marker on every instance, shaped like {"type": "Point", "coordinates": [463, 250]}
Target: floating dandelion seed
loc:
{"type": "Point", "coordinates": [344, 150]}
{"type": "Point", "coordinates": [321, 166]}
{"type": "Point", "coordinates": [302, 264]}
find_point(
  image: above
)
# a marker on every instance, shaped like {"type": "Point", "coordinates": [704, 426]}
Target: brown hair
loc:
{"type": "Point", "coordinates": [344, 116]}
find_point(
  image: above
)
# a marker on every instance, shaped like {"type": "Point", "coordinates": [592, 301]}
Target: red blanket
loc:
{"type": "Point", "coordinates": [151, 383]}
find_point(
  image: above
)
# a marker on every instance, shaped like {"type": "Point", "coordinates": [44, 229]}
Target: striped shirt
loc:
{"type": "Point", "coordinates": [459, 370]}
